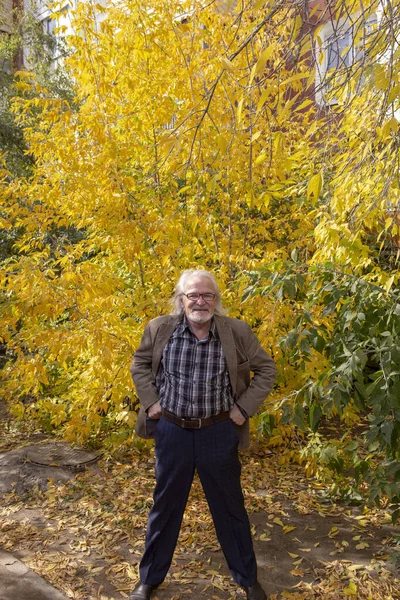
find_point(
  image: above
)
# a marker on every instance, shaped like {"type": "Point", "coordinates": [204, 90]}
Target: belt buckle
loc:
{"type": "Point", "coordinates": [192, 424]}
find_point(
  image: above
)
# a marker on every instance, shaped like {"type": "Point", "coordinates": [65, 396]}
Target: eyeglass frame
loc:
{"type": "Point", "coordinates": [200, 296]}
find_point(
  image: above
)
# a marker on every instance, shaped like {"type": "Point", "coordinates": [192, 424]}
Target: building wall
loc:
{"type": "Point", "coordinates": [6, 7]}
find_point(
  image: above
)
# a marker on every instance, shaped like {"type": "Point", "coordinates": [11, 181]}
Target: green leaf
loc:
{"type": "Point", "coordinates": [298, 417]}
{"type": "Point", "coordinates": [315, 416]}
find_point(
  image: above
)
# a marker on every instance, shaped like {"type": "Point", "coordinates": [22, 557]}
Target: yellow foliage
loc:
{"type": "Point", "coordinates": [186, 146]}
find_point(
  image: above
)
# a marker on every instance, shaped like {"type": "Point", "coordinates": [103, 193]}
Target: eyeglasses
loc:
{"type": "Point", "coordinates": [207, 297]}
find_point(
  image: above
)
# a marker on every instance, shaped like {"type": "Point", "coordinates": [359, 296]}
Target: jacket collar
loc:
{"type": "Point", "coordinates": [228, 345]}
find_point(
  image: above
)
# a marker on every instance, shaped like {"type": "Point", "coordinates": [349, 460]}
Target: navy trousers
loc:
{"type": "Point", "coordinates": [213, 452]}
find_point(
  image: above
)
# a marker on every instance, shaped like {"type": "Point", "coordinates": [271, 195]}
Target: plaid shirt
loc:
{"type": "Point", "coordinates": [193, 380]}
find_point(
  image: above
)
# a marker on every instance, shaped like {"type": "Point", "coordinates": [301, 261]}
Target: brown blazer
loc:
{"type": "Point", "coordinates": [243, 355]}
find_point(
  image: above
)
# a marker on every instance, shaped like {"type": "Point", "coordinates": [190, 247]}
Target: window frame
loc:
{"type": "Point", "coordinates": [328, 34]}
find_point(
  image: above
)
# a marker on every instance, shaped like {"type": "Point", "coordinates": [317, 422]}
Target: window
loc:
{"type": "Point", "coordinates": [49, 26]}
{"type": "Point", "coordinates": [56, 28]}
{"type": "Point", "coordinates": [339, 45]}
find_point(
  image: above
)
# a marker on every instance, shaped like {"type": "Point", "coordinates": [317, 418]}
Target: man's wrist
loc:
{"type": "Point", "coordinates": [244, 413]}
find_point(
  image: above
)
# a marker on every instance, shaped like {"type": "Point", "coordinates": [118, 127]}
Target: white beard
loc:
{"type": "Point", "coordinates": [200, 316]}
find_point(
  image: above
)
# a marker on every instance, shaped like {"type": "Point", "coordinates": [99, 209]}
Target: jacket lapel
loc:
{"type": "Point", "coordinates": [163, 334]}
{"type": "Point", "coordinates": [229, 348]}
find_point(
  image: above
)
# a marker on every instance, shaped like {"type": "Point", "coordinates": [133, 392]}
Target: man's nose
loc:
{"type": "Point", "coordinates": [200, 300]}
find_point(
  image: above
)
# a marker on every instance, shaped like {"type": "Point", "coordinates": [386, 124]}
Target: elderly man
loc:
{"type": "Point", "coordinates": [192, 375]}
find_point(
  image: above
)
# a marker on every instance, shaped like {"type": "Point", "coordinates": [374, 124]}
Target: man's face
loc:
{"type": "Point", "coordinates": [199, 311]}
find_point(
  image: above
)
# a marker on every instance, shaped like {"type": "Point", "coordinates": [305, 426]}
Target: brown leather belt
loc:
{"type": "Point", "coordinates": [194, 423]}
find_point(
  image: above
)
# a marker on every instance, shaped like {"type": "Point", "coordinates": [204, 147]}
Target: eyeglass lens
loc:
{"type": "Point", "coordinates": [207, 297]}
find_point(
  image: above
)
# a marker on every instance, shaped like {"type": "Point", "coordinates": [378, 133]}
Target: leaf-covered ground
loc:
{"type": "Point", "coordinates": [85, 535]}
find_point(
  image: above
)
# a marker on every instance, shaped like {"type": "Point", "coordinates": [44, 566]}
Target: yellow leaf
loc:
{"type": "Point", "coordinates": [358, 567]}
{"type": "Point", "coordinates": [389, 283]}
{"type": "Point", "coordinates": [227, 65]}
{"type": "Point", "coordinates": [388, 223]}
{"type": "Point", "coordinates": [315, 186]}
{"type": "Point", "coordinates": [298, 562]}
{"type": "Point", "coordinates": [333, 532]}
{"type": "Point", "coordinates": [266, 93]}
{"type": "Point", "coordinates": [295, 77]}
{"type": "Point", "coordinates": [260, 158]}
{"type": "Point", "coordinates": [297, 572]}
{"type": "Point", "coordinates": [390, 127]}
{"type": "Point", "coordinates": [351, 590]}
{"type": "Point", "coordinates": [70, 276]}
{"type": "Point", "coordinates": [268, 52]}
{"type": "Point", "coordinates": [253, 72]}
{"type": "Point", "coordinates": [222, 143]}
{"type": "Point", "coordinates": [362, 545]}
{"type": "Point", "coordinates": [304, 104]}
{"type": "Point", "coordinates": [288, 528]}
{"type": "Point", "coordinates": [260, 4]}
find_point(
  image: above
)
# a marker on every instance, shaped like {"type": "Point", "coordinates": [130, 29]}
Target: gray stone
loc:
{"type": "Point", "coordinates": [19, 582]}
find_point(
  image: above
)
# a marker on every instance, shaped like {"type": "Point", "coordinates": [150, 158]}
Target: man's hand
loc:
{"type": "Point", "coordinates": [154, 412]}
{"type": "Point", "coordinates": [236, 416]}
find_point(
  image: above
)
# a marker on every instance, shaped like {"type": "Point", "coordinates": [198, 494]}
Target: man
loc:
{"type": "Point", "coordinates": [192, 376]}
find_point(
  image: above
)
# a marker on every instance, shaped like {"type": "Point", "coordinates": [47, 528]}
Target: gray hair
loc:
{"type": "Point", "coordinates": [180, 288]}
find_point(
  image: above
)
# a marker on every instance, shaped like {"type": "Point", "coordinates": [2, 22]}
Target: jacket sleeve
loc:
{"type": "Point", "coordinates": [264, 375]}
{"type": "Point", "coordinates": [142, 371]}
